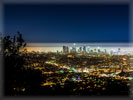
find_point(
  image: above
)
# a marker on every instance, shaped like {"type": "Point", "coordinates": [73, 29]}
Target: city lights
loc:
{"type": "Point", "coordinates": [88, 69]}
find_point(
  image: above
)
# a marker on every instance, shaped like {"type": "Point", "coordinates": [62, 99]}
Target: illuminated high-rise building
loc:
{"type": "Point", "coordinates": [88, 50]}
{"type": "Point", "coordinates": [99, 50]}
{"type": "Point", "coordinates": [80, 49]}
{"type": "Point", "coordinates": [73, 50]}
{"type": "Point", "coordinates": [91, 51]}
{"type": "Point", "coordinates": [119, 49]}
{"type": "Point", "coordinates": [111, 52]}
{"type": "Point", "coordinates": [105, 51]}
{"type": "Point", "coordinates": [95, 50]}
{"type": "Point", "coordinates": [84, 49]}
{"type": "Point", "coordinates": [65, 49]}
{"type": "Point", "coordinates": [118, 52]}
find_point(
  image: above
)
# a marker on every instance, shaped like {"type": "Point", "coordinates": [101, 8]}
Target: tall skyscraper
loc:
{"type": "Point", "coordinates": [84, 49]}
{"type": "Point", "coordinates": [119, 49]}
{"type": "Point", "coordinates": [73, 50]}
{"type": "Point", "coordinates": [111, 52]}
{"type": "Point", "coordinates": [98, 49]}
{"type": "Point", "coordinates": [95, 50]}
{"type": "Point", "coordinates": [91, 51]}
{"type": "Point", "coordinates": [80, 49]}
{"type": "Point", "coordinates": [88, 50]}
{"type": "Point", "coordinates": [105, 51]}
{"type": "Point", "coordinates": [65, 49]}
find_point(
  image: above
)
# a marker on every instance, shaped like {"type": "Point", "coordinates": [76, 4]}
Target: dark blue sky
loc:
{"type": "Point", "coordinates": [68, 23]}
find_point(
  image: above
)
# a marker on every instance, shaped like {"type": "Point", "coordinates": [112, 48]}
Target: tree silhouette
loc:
{"type": "Point", "coordinates": [13, 62]}
{"type": "Point", "coordinates": [13, 45]}
{"type": "Point", "coordinates": [15, 73]}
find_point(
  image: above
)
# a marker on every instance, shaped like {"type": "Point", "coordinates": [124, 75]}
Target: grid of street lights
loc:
{"type": "Point", "coordinates": [84, 71]}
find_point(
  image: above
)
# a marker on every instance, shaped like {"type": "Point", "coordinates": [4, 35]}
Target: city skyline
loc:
{"type": "Point", "coordinates": [54, 47]}
{"type": "Point", "coordinates": [67, 50]}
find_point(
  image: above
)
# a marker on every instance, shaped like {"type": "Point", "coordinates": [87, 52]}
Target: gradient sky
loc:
{"type": "Point", "coordinates": [68, 23]}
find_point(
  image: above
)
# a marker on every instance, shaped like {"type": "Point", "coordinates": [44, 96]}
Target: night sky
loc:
{"type": "Point", "coordinates": [68, 23]}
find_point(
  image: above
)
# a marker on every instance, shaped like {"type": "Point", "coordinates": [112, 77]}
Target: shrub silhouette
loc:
{"type": "Point", "coordinates": [15, 73]}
